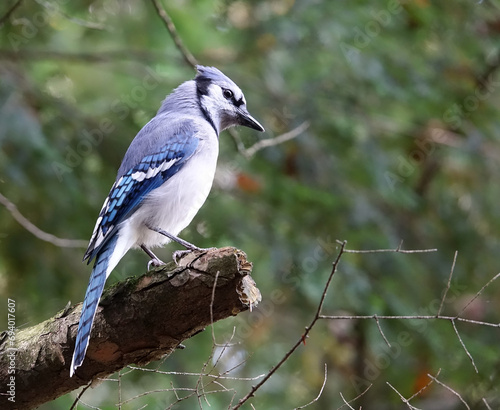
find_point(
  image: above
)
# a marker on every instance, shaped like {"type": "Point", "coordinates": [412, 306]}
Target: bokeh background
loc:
{"type": "Point", "coordinates": [402, 101]}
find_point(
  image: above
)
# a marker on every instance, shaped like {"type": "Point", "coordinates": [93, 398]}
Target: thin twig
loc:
{"type": "Point", "coordinates": [425, 387]}
{"type": "Point", "coordinates": [347, 403]}
{"type": "Point", "coordinates": [396, 250]}
{"type": "Point", "coordinates": [450, 389]}
{"type": "Point", "coordinates": [479, 293]}
{"type": "Point", "coordinates": [269, 142]}
{"type": "Point", "coordinates": [237, 141]}
{"type": "Point", "coordinates": [79, 396]}
{"type": "Point", "coordinates": [7, 15]}
{"type": "Point", "coordinates": [189, 389]}
{"type": "Point", "coordinates": [175, 391]}
{"type": "Point", "coordinates": [119, 390]}
{"type": "Point", "coordinates": [89, 406]}
{"type": "Point", "coordinates": [319, 394]}
{"type": "Point", "coordinates": [199, 382]}
{"type": "Point", "coordinates": [212, 306]}
{"type": "Point", "coordinates": [463, 345]}
{"type": "Point", "coordinates": [44, 236]}
{"type": "Point", "coordinates": [448, 284]}
{"type": "Point", "coordinates": [169, 24]}
{"type": "Point", "coordinates": [381, 332]}
{"type": "Point", "coordinates": [301, 339]}
{"type": "Point", "coordinates": [215, 376]}
{"type": "Point", "coordinates": [405, 401]}
{"type": "Point", "coordinates": [84, 57]}
{"type": "Point", "coordinates": [486, 404]}
{"type": "Point", "coordinates": [412, 317]}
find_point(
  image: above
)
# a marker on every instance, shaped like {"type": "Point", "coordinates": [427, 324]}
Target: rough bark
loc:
{"type": "Point", "coordinates": [139, 320]}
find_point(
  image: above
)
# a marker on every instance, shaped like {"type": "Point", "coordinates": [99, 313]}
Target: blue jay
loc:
{"type": "Point", "coordinates": [163, 181]}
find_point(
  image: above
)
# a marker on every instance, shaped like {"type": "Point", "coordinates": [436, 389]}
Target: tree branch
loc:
{"type": "Point", "coordinates": [7, 15]}
{"type": "Point", "coordinates": [36, 231]}
{"type": "Point", "coordinates": [169, 24]}
{"type": "Point", "coordinates": [269, 142]}
{"type": "Point", "coordinates": [109, 56]}
{"type": "Point", "coordinates": [139, 320]}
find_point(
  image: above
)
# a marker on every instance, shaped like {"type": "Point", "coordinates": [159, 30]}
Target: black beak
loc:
{"type": "Point", "coordinates": [248, 121]}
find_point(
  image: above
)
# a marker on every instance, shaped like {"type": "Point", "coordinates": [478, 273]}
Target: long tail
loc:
{"type": "Point", "coordinates": [100, 272]}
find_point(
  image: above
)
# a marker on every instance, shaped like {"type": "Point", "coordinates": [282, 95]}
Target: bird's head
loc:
{"type": "Point", "coordinates": [222, 101]}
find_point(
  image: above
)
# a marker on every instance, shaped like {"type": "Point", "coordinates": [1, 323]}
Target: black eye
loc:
{"type": "Point", "coordinates": [228, 94]}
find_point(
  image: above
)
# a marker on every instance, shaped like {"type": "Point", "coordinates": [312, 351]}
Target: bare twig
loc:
{"type": "Point", "coordinates": [84, 57]}
{"type": "Point", "coordinates": [44, 236]}
{"type": "Point", "coordinates": [215, 376]}
{"type": "Point", "coordinates": [199, 382]}
{"type": "Point", "coordinates": [479, 293]}
{"type": "Point", "coordinates": [79, 396]}
{"type": "Point", "coordinates": [463, 345]}
{"type": "Point", "coordinates": [237, 141]}
{"type": "Point", "coordinates": [396, 250]}
{"type": "Point", "coordinates": [319, 394]}
{"type": "Point", "coordinates": [486, 404]}
{"type": "Point", "coordinates": [425, 387]}
{"type": "Point", "coordinates": [212, 307]}
{"type": "Point", "coordinates": [7, 15]}
{"type": "Point", "coordinates": [405, 401]}
{"type": "Point", "coordinates": [411, 317]}
{"type": "Point", "coordinates": [173, 389]}
{"type": "Point", "coordinates": [450, 389]}
{"type": "Point", "coordinates": [269, 142]}
{"type": "Point", "coordinates": [120, 390]}
{"type": "Point", "coordinates": [347, 403]}
{"type": "Point", "coordinates": [89, 406]}
{"type": "Point", "coordinates": [301, 339]}
{"type": "Point", "coordinates": [448, 284]}
{"type": "Point", "coordinates": [380, 330]}
{"type": "Point", "coordinates": [169, 24]}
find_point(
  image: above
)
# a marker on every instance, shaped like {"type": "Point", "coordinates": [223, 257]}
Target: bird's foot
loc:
{"type": "Point", "coordinates": [155, 263]}
{"type": "Point", "coordinates": [178, 255]}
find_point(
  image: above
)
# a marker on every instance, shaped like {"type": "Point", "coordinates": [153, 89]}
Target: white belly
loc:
{"type": "Point", "coordinates": [173, 205]}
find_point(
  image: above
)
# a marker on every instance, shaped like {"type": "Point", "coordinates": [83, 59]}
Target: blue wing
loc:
{"type": "Point", "coordinates": [128, 192]}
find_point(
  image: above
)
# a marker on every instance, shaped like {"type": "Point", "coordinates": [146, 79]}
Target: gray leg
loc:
{"type": "Point", "coordinates": [155, 261]}
{"type": "Point", "coordinates": [184, 243]}
{"type": "Point", "coordinates": [177, 255]}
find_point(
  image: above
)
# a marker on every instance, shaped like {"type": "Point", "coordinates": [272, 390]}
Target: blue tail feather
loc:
{"type": "Point", "coordinates": [89, 308]}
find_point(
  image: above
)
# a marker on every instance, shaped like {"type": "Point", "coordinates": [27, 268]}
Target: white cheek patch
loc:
{"type": "Point", "coordinates": [140, 176]}
{"type": "Point", "coordinates": [210, 105]}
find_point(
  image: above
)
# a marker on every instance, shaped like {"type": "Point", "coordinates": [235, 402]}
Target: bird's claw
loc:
{"type": "Point", "coordinates": [155, 263]}
{"type": "Point", "coordinates": [178, 255]}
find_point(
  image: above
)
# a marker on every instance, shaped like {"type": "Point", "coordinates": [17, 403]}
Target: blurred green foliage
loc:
{"type": "Point", "coordinates": [402, 100]}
